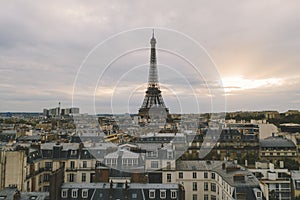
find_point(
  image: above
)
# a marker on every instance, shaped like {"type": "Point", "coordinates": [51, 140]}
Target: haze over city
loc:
{"type": "Point", "coordinates": [253, 44]}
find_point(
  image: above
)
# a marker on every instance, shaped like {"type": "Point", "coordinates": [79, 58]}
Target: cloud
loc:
{"type": "Point", "coordinates": [42, 44]}
{"type": "Point", "coordinates": [237, 83]}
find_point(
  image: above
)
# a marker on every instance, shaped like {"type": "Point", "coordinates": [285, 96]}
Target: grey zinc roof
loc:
{"type": "Point", "coordinates": [124, 153]}
{"type": "Point", "coordinates": [66, 146]}
{"type": "Point", "coordinates": [149, 146]}
{"type": "Point", "coordinates": [131, 185]}
{"type": "Point", "coordinates": [192, 165]}
{"type": "Point", "coordinates": [9, 193]}
{"type": "Point", "coordinates": [32, 137]}
{"type": "Point", "coordinates": [277, 142]}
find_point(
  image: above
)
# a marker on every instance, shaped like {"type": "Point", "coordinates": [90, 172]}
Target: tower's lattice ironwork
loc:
{"type": "Point", "coordinates": [153, 105]}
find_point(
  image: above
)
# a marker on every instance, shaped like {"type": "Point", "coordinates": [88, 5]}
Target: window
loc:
{"type": "Point", "coordinates": [72, 164]}
{"type": "Point", "coordinates": [74, 193]}
{"type": "Point", "coordinates": [194, 174]}
{"type": "Point", "coordinates": [73, 152]}
{"type": "Point", "coordinates": [85, 193]}
{"type": "Point", "coordinates": [84, 164]}
{"type": "Point", "coordinates": [205, 186]}
{"type": "Point", "coordinates": [113, 161]}
{"type": "Point", "coordinates": [85, 152]}
{"type": "Point", "coordinates": [168, 165]}
{"type": "Point", "coordinates": [71, 177]}
{"type": "Point", "coordinates": [173, 194]}
{"type": "Point", "coordinates": [195, 188]}
{"type": "Point", "coordinates": [213, 187]}
{"type": "Point", "coordinates": [169, 178]}
{"type": "Point", "coordinates": [124, 162]}
{"type": "Point", "coordinates": [130, 161]}
{"type": "Point", "coordinates": [62, 164]}
{"type": "Point", "coordinates": [48, 165]}
{"type": "Point", "coordinates": [46, 177]}
{"type": "Point", "coordinates": [180, 174]}
{"type": "Point", "coordinates": [64, 193]}
{"type": "Point", "coordinates": [213, 197]}
{"type": "Point", "coordinates": [206, 197]}
{"type": "Point", "coordinates": [98, 163]}
{"type": "Point", "coordinates": [134, 161]}
{"type": "Point", "coordinates": [83, 177]}
{"type": "Point", "coordinates": [152, 154]}
{"type": "Point", "coordinates": [46, 189]}
{"type": "Point", "coordinates": [170, 155]}
{"type": "Point", "coordinates": [151, 194]}
{"type": "Point", "coordinates": [195, 197]}
{"type": "Point", "coordinates": [205, 175]}
{"type": "Point", "coordinates": [163, 194]}
{"type": "Point", "coordinates": [213, 175]}
{"type": "Point", "coordinates": [258, 194]}
{"type": "Point", "coordinates": [134, 195]}
{"type": "Point", "coordinates": [154, 164]}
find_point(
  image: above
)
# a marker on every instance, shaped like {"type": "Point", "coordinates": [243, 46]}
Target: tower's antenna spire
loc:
{"type": "Point", "coordinates": [153, 77]}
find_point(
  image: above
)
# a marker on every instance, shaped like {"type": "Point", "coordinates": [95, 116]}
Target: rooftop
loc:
{"type": "Point", "coordinates": [66, 146]}
{"type": "Point", "coordinates": [8, 194]}
{"type": "Point", "coordinates": [115, 185]}
{"type": "Point", "coordinates": [276, 141]}
{"type": "Point", "coordinates": [217, 166]}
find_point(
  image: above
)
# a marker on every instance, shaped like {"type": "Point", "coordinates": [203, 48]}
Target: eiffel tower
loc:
{"type": "Point", "coordinates": [153, 107]}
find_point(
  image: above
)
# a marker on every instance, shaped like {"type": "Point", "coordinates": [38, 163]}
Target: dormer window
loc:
{"type": "Point", "coordinates": [163, 194]}
{"type": "Point", "coordinates": [85, 193]}
{"type": "Point", "coordinates": [64, 193]}
{"type": "Point", "coordinates": [152, 154]}
{"type": "Point", "coordinates": [74, 193]}
{"type": "Point", "coordinates": [173, 194]}
{"type": "Point", "coordinates": [169, 154]}
{"type": "Point", "coordinates": [73, 152]}
{"type": "Point", "coordinates": [258, 194]}
{"type": "Point", "coordinates": [151, 194]}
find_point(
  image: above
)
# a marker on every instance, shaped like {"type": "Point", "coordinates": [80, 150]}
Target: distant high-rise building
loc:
{"type": "Point", "coordinates": [153, 105]}
{"type": "Point", "coordinates": [55, 112]}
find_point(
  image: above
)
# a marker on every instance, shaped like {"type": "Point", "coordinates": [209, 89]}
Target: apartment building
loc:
{"type": "Point", "coordinates": [215, 180]}
{"type": "Point", "coordinates": [275, 183]}
{"type": "Point", "coordinates": [277, 148]}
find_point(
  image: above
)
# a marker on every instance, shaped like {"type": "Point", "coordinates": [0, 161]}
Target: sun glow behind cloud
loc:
{"type": "Point", "coordinates": [239, 83]}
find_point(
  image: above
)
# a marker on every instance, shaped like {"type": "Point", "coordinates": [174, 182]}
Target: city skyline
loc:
{"type": "Point", "coordinates": [255, 53]}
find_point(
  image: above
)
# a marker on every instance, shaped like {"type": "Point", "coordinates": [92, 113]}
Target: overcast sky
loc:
{"type": "Point", "coordinates": [253, 47]}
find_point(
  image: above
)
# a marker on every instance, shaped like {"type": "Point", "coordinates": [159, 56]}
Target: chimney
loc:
{"type": "Point", "coordinates": [239, 178]}
{"type": "Point", "coordinates": [223, 166]}
{"type": "Point", "coordinates": [17, 195]}
{"type": "Point", "coordinates": [111, 184]}
{"type": "Point", "coordinates": [102, 174]}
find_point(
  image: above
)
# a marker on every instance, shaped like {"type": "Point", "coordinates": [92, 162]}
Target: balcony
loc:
{"type": "Point", "coordinates": [86, 168]}
{"type": "Point", "coordinates": [48, 169]}
{"type": "Point", "coordinates": [71, 169]}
